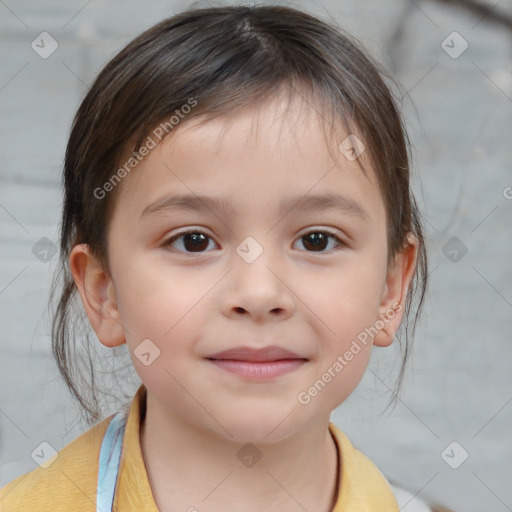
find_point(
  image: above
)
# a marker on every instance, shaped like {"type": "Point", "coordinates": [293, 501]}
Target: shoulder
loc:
{"type": "Point", "coordinates": [361, 483]}
{"type": "Point", "coordinates": [68, 483]}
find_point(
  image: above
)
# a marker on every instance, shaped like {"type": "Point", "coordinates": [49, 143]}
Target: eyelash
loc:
{"type": "Point", "coordinates": [340, 243]}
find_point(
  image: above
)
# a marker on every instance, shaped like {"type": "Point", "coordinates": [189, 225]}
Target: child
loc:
{"type": "Point", "coordinates": [267, 139]}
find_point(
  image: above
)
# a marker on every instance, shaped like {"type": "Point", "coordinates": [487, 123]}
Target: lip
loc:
{"type": "Point", "coordinates": [257, 364]}
{"type": "Point", "coordinates": [261, 355]}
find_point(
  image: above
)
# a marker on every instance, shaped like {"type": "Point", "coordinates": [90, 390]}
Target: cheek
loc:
{"type": "Point", "coordinates": [346, 301]}
{"type": "Point", "coordinates": [159, 304]}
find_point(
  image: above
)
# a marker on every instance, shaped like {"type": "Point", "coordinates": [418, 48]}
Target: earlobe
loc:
{"type": "Point", "coordinates": [394, 294]}
{"type": "Point", "coordinates": [98, 296]}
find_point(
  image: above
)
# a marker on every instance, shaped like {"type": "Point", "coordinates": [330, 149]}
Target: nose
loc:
{"type": "Point", "coordinates": [260, 289]}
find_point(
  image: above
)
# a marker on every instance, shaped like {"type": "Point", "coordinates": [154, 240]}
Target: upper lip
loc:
{"type": "Point", "coordinates": [270, 353]}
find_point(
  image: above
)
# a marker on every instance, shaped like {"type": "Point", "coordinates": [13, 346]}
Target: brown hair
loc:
{"type": "Point", "coordinates": [225, 58]}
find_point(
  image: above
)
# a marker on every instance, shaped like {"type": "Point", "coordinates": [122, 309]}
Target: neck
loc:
{"type": "Point", "coordinates": [190, 468]}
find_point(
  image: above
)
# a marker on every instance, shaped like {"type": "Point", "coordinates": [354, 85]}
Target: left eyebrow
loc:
{"type": "Point", "coordinates": [324, 202]}
{"type": "Point", "coordinates": [309, 202]}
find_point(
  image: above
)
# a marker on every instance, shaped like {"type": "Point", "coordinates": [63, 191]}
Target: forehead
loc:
{"type": "Point", "coordinates": [260, 153]}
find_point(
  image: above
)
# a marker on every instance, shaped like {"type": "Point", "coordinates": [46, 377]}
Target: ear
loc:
{"type": "Point", "coordinates": [394, 293]}
{"type": "Point", "coordinates": [98, 296]}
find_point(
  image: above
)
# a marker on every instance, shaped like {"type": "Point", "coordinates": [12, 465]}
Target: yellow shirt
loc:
{"type": "Point", "coordinates": [69, 483]}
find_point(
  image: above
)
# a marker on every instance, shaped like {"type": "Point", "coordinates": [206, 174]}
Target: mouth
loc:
{"type": "Point", "coordinates": [257, 364]}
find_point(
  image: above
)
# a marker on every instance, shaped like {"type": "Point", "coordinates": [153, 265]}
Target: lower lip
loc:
{"type": "Point", "coordinates": [258, 371]}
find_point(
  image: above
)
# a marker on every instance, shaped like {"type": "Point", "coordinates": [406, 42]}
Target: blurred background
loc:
{"type": "Point", "coordinates": [449, 438]}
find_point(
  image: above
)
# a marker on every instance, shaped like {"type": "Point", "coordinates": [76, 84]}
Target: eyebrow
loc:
{"type": "Point", "coordinates": [309, 202]}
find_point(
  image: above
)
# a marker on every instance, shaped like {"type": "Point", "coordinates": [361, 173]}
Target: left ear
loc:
{"type": "Point", "coordinates": [394, 293]}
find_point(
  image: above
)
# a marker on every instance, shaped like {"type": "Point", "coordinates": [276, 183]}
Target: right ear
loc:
{"type": "Point", "coordinates": [98, 296]}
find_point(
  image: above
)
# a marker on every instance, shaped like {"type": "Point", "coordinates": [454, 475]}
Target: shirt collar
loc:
{"type": "Point", "coordinates": [133, 491]}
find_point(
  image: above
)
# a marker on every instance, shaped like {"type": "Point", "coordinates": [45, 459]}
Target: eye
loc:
{"type": "Point", "coordinates": [192, 241]}
{"type": "Point", "coordinates": [316, 241]}
{"type": "Point", "coordinates": [195, 241]}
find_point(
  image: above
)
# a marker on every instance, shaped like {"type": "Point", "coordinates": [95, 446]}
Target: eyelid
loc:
{"type": "Point", "coordinates": [323, 229]}
{"type": "Point", "coordinates": [175, 236]}
{"type": "Point", "coordinates": [340, 236]}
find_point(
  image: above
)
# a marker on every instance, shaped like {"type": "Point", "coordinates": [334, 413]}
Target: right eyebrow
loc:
{"type": "Point", "coordinates": [188, 202]}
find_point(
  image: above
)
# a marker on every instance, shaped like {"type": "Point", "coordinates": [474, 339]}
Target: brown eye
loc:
{"type": "Point", "coordinates": [191, 241]}
{"type": "Point", "coordinates": [318, 241]}
{"type": "Point", "coordinates": [198, 242]}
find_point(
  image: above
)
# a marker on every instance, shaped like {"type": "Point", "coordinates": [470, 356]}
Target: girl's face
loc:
{"type": "Point", "coordinates": [291, 252]}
